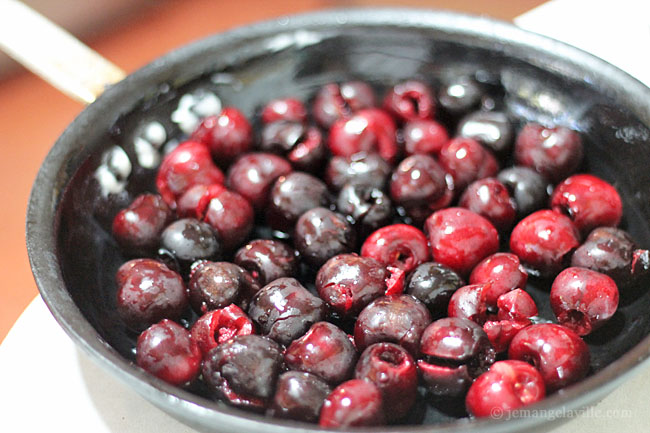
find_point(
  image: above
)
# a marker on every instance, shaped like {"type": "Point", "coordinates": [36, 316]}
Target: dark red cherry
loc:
{"type": "Point", "coordinates": [490, 128]}
{"type": "Point", "coordinates": [398, 245]}
{"type": "Point", "coordinates": [291, 196]}
{"type": "Point", "coordinates": [418, 181]}
{"type": "Point", "coordinates": [189, 240]}
{"type": "Point", "coordinates": [216, 285]}
{"type": "Point", "coordinates": [228, 135]}
{"type": "Point", "coordinates": [410, 100]}
{"type": "Point", "coordinates": [290, 109]}
{"type": "Point", "coordinates": [528, 188]}
{"type": "Point", "coordinates": [320, 234]}
{"type": "Point", "coordinates": [137, 228]}
{"type": "Point", "coordinates": [267, 260]}
{"type": "Point", "coordinates": [503, 271]}
{"type": "Point", "coordinates": [466, 160]}
{"type": "Point", "coordinates": [299, 396]}
{"type": "Point", "coordinates": [354, 403]}
{"type": "Point", "coordinates": [424, 136]}
{"type": "Point", "coordinates": [338, 101]}
{"type": "Point", "coordinates": [253, 174]}
{"type": "Point", "coordinates": [361, 168]}
{"type": "Point", "coordinates": [302, 145]}
{"type": "Point", "coordinates": [166, 350]}
{"type": "Point", "coordinates": [490, 198]}
{"type": "Point", "coordinates": [433, 284]}
{"type": "Point", "coordinates": [367, 206]}
{"type": "Point", "coordinates": [218, 326]}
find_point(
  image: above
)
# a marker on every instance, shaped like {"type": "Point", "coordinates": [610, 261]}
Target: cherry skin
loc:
{"type": "Point", "coordinates": [560, 355]}
{"type": "Point", "coordinates": [299, 396]}
{"type": "Point", "coordinates": [216, 285]}
{"type": "Point", "coordinates": [528, 188]}
{"type": "Point", "coordinates": [188, 165]}
{"type": "Point", "coordinates": [466, 160]}
{"type": "Point", "coordinates": [433, 284]}
{"type": "Point", "coordinates": [460, 238]}
{"type": "Point", "coordinates": [369, 207]}
{"type": "Point", "coordinates": [410, 100]}
{"type": "Point", "coordinates": [398, 245]}
{"type": "Point", "coordinates": [417, 181]}
{"type": "Point", "coordinates": [228, 135]}
{"type": "Point", "coordinates": [503, 271]}
{"type": "Point", "coordinates": [166, 350]}
{"type": "Point", "coordinates": [189, 239]}
{"type": "Point", "coordinates": [267, 260]}
{"type": "Point", "coordinates": [543, 241]}
{"type": "Point", "coordinates": [289, 109]}
{"type": "Point", "coordinates": [490, 128]}
{"type": "Point", "coordinates": [338, 101]}
{"type": "Point", "coordinates": [589, 201]}
{"type": "Point", "coordinates": [320, 234]}
{"type": "Point", "coordinates": [583, 300]}
{"type": "Point", "coordinates": [424, 136]}
{"type": "Point", "coordinates": [454, 352]}
{"type": "Point", "coordinates": [284, 310]}
{"type": "Point", "coordinates": [147, 292]}
{"type": "Point", "coordinates": [553, 152]}
{"type": "Point", "coordinates": [506, 386]}
{"type": "Point", "coordinates": [218, 326]}
{"type": "Point", "coordinates": [253, 174]}
{"type": "Point", "coordinates": [490, 198]}
{"type": "Point", "coordinates": [348, 283]}
{"type": "Point", "coordinates": [302, 145]}
{"type": "Point", "coordinates": [612, 251]}
{"type": "Point", "coordinates": [393, 370]}
{"type": "Point", "coordinates": [399, 319]}
{"type": "Point", "coordinates": [291, 196]}
{"type": "Point", "coordinates": [354, 403]}
{"type": "Point", "coordinates": [325, 350]}
{"type": "Point", "coordinates": [370, 131]}
{"type": "Point", "coordinates": [137, 228]}
{"type": "Point", "coordinates": [367, 169]}
{"type": "Point", "coordinates": [243, 371]}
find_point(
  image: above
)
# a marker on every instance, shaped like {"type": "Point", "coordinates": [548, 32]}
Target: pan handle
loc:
{"type": "Point", "coordinates": [54, 54]}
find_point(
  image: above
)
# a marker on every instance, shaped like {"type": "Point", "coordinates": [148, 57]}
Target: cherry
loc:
{"type": "Point", "coordinates": [454, 352]}
{"type": "Point", "coordinates": [583, 300]}
{"type": "Point", "coordinates": [398, 319]}
{"type": "Point", "coordinates": [417, 182]}
{"type": "Point", "coordinates": [393, 370]}
{"type": "Point", "coordinates": [218, 326]}
{"type": "Point", "coordinates": [433, 284]}
{"type": "Point", "coordinates": [516, 305]}
{"type": "Point", "coordinates": [528, 188]}
{"type": "Point", "coordinates": [469, 302]}
{"type": "Point", "coordinates": [490, 128]}
{"type": "Point", "coordinates": [166, 350]}
{"type": "Point", "coordinates": [490, 198]}
{"type": "Point", "coordinates": [189, 239]}
{"type": "Point", "coordinates": [367, 206]}
{"type": "Point", "coordinates": [370, 131]}
{"type": "Point", "coordinates": [348, 283]}
{"type": "Point", "coordinates": [354, 403]}
{"type": "Point", "coordinates": [466, 160]}
{"type": "Point", "coordinates": [267, 260]}
{"type": "Point", "coordinates": [543, 241]}
{"type": "Point", "coordinates": [589, 201]}
{"type": "Point", "coordinates": [252, 175]}
{"type": "Point", "coordinates": [361, 168]}
{"type": "Point", "coordinates": [227, 134]}
{"type": "Point", "coordinates": [506, 386]}
{"type": "Point", "coordinates": [284, 310]}
{"type": "Point", "coordinates": [187, 165]}
{"type": "Point", "coordinates": [320, 234]}
{"type": "Point", "coordinates": [503, 271]}
{"type": "Point", "coordinates": [410, 100]}
{"type": "Point", "coordinates": [289, 109]}
{"type": "Point", "coordinates": [147, 292]}
{"type": "Point", "coordinates": [243, 371]}
{"type": "Point", "coordinates": [216, 285]}
{"type": "Point", "coordinates": [612, 251]}
{"type": "Point", "coordinates": [501, 332]}
{"type": "Point", "coordinates": [325, 350]}
{"type": "Point", "coordinates": [424, 136]}
{"type": "Point", "coordinates": [299, 396]}
{"type": "Point", "coordinates": [399, 245]}
{"type": "Point", "coordinates": [137, 228]}
{"type": "Point", "coordinates": [302, 145]}
{"type": "Point", "coordinates": [337, 101]}
{"type": "Point", "coordinates": [460, 238]}
{"type": "Point", "coordinates": [557, 352]}
{"type": "Point", "coordinates": [291, 196]}
{"type": "Point", "coordinates": [459, 94]}
{"type": "Point", "coordinates": [553, 152]}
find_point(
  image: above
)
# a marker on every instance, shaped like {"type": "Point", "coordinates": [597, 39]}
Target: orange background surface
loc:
{"type": "Point", "coordinates": [33, 115]}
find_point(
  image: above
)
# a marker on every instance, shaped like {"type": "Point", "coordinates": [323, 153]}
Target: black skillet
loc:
{"type": "Point", "coordinates": [73, 258]}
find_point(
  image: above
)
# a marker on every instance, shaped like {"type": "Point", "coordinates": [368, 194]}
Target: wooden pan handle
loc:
{"type": "Point", "coordinates": [54, 54]}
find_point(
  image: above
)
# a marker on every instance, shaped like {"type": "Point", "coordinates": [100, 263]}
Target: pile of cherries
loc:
{"type": "Point", "coordinates": [359, 251]}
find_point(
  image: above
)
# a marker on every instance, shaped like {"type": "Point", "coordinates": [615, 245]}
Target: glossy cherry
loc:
{"type": "Point", "coordinates": [218, 326]}
{"type": "Point", "coordinates": [367, 206]}
{"type": "Point", "coordinates": [460, 238]}
{"type": "Point", "coordinates": [284, 310]}
{"type": "Point", "coordinates": [362, 168]}
{"type": "Point", "coordinates": [506, 386]}
{"type": "Point", "coordinates": [490, 198]}
{"type": "Point", "coordinates": [398, 319]}
{"type": "Point", "coordinates": [466, 160]}
{"type": "Point", "coordinates": [560, 355]}
{"type": "Point", "coordinates": [187, 165]}
{"type": "Point", "coordinates": [503, 271]}
{"type": "Point", "coordinates": [137, 228]}
{"type": "Point", "coordinates": [320, 234]}
{"type": "Point", "coordinates": [589, 201]}
{"type": "Point", "coordinates": [433, 284]}
{"type": "Point", "coordinates": [216, 285]}
{"type": "Point", "coordinates": [325, 350]}
{"type": "Point", "coordinates": [289, 109]}
{"type": "Point", "coordinates": [417, 182]}
{"type": "Point", "coordinates": [189, 239]}
{"type": "Point", "coordinates": [228, 135]}
{"type": "Point", "coordinates": [528, 188]}
{"type": "Point", "coordinates": [459, 94]}
{"type": "Point", "coordinates": [490, 128]}
{"type": "Point", "coordinates": [302, 145]}
{"type": "Point", "coordinates": [166, 350]}
{"type": "Point", "coordinates": [147, 292]}
{"type": "Point", "coordinates": [553, 152]}
{"type": "Point", "coordinates": [348, 282]}
{"type": "Point", "coordinates": [337, 101]}
{"type": "Point", "coordinates": [424, 136]}
{"type": "Point", "coordinates": [291, 196]}
{"type": "Point", "coordinates": [394, 371]}
{"type": "Point", "coordinates": [253, 174]}
{"type": "Point", "coordinates": [398, 245]}
{"type": "Point", "coordinates": [543, 241]}
{"type": "Point", "coordinates": [410, 100]}
{"type": "Point", "coordinates": [267, 260]}
{"type": "Point", "coordinates": [354, 403]}
{"type": "Point", "coordinates": [583, 300]}
{"type": "Point", "coordinates": [299, 396]}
